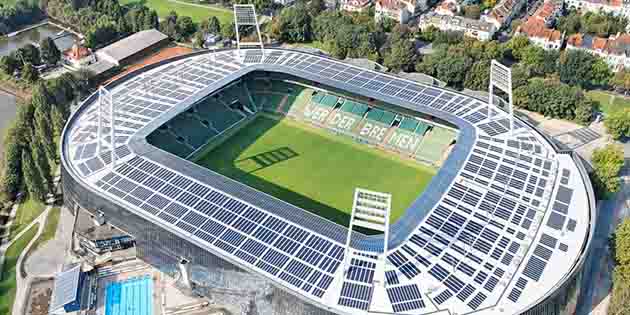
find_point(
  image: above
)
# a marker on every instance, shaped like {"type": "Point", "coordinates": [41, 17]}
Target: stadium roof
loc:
{"type": "Point", "coordinates": [504, 223]}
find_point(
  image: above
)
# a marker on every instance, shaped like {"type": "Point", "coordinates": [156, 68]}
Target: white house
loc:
{"type": "Point", "coordinates": [478, 29]}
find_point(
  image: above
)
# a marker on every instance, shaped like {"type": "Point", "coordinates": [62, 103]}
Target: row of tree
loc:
{"type": "Point", "coordinates": [594, 23]}
{"type": "Point", "coordinates": [21, 13]}
{"type": "Point", "coordinates": [102, 21]}
{"type": "Point", "coordinates": [621, 275]}
{"type": "Point", "coordinates": [30, 143]}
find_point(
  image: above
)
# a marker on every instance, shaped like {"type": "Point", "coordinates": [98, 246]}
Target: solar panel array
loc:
{"type": "Point", "coordinates": [466, 249]}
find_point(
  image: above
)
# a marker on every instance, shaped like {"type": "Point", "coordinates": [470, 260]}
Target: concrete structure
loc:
{"type": "Point", "coordinates": [615, 50]}
{"type": "Point", "coordinates": [538, 26]}
{"type": "Point", "coordinates": [398, 10]}
{"type": "Point", "coordinates": [503, 228]}
{"type": "Point", "coordinates": [477, 29]}
{"type": "Point", "coordinates": [616, 7]}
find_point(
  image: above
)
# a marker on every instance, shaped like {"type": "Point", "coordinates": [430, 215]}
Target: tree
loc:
{"type": "Point", "coordinates": [44, 132]}
{"type": "Point", "coordinates": [621, 80]}
{"type": "Point", "coordinates": [185, 26]}
{"type": "Point", "coordinates": [198, 39]}
{"type": "Point", "coordinates": [600, 73]}
{"type": "Point", "coordinates": [478, 77]}
{"type": "Point", "coordinates": [40, 159]}
{"type": "Point", "coordinates": [29, 54]}
{"type": "Point", "coordinates": [401, 57]}
{"type": "Point", "coordinates": [621, 277]}
{"type": "Point", "coordinates": [580, 68]}
{"type": "Point", "coordinates": [517, 45]}
{"type": "Point", "coordinates": [472, 11]}
{"type": "Point", "coordinates": [618, 123]}
{"type": "Point", "coordinates": [9, 65]}
{"type": "Point", "coordinates": [12, 175]}
{"type": "Point", "coordinates": [294, 24]}
{"type": "Point", "coordinates": [607, 162]}
{"type": "Point", "coordinates": [49, 52]}
{"type": "Point", "coordinates": [227, 30]}
{"type": "Point", "coordinates": [29, 73]}
{"type": "Point", "coordinates": [32, 178]}
{"type": "Point", "coordinates": [315, 7]}
{"type": "Point", "coordinates": [214, 26]}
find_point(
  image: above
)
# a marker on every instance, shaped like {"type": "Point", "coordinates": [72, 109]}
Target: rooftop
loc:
{"type": "Point", "coordinates": [504, 205]}
{"type": "Point", "coordinates": [132, 44]}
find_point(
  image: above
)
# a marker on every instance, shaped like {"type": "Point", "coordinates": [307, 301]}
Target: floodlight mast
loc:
{"type": "Point", "coordinates": [501, 77]}
{"type": "Point", "coordinates": [245, 15]}
{"type": "Point", "coordinates": [105, 96]}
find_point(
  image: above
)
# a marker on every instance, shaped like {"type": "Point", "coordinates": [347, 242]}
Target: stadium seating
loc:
{"type": "Point", "coordinates": [434, 144]}
{"type": "Point", "coordinates": [355, 108]}
{"type": "Point", "coordinates": [218, 115]}
{"type": "Point", "coordinates": [409, 124]}
{"type": "Point", "coordinates": [191, 129]}
{"type": "Point", "coordinates": [169, 143]}
{"type": "Point", "coordinates": [381, 116]}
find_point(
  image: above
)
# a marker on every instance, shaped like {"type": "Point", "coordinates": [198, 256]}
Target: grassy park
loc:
{"type": "Point", "coordinates": [314, 169]}
{"type": "Point", "coordinates": [27, 211]}
{"type": "Point", "coordinates": [197, 11]}
{"type": "Point", "coordinates": [609, 102]}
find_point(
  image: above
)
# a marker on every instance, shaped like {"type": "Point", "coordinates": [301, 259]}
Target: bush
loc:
{"type": "Point", "coordinates": [607, 162]}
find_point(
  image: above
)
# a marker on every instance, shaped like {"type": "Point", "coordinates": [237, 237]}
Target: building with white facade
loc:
{"type": "Point", "coordinates": [399, 10]}
{"type": "Point", "coordinates": [356, 5]}
{"type": "Point", "coordinates": [477, 29]}
{"type": "Point", "coordinates": [614, 50]}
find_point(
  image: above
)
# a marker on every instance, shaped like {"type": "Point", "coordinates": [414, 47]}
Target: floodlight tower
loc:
{"type": "Point", "coordinates": [501, 77]}
{"type": "Point", "coordinates": [106, 103]}
{"type": "Point", "coordinates": [245, 15]}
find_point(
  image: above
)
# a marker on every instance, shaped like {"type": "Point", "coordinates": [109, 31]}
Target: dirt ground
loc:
{"type": "Point", "coordinates": [40, 294]}
{"type": "Point", "coordinates": [162, 54]}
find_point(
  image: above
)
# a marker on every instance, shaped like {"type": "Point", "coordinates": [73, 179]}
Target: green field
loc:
{"type": "Point", "coordinates": [198, 12]}
{"type": "Point", "coordinates": [314, 169]}
{"type": "Point", "coordinates": [608, 102]}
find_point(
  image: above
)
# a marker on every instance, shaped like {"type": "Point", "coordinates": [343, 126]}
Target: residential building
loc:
{"type": "Point", "coordinates": [503, 13]}
{"type": "Point", "coordinates": [78, 56]}
{"type": "Point", "coordinates": [356, 5]}
{"type": "Point", "coordinates": [615, 50]}
{"type": "Point", "coordinates": [284, 2]}
{"type": "Point", "coordinates": [538, 26]}
{"type": "Point", "coordinates": [447, 7]}
{"type": "Point", "coordinates": [399, 10]}
{"type": "Point", "coordinates": [616, 7]}
{"type": "Point", "coordinates": [478, 29]}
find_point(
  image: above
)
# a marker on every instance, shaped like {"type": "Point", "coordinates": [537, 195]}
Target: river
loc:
{"type": "Point", "coordinates": [8, 110]}
{"type": "Point", "coordinates": [7, 45]}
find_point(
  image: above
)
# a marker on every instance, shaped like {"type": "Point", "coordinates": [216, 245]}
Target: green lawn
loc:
{"type": "Point", "coordinates": [197, 12]}
{"type": "Point", "coordinates": [26, 213]}
{"type": "Point", "coordinates": [9, 270]}
{"type": "Point", "coordinates": [608, 102]}
{"type": "Point", "coordinates": [314, 169]}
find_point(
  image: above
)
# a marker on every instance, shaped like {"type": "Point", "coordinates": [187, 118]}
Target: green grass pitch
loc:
{"type": "Point", "coordinates": [314, 169]}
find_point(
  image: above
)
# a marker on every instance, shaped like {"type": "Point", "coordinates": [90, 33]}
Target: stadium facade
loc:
{"type": "Point", "coordinates": [503, 228]}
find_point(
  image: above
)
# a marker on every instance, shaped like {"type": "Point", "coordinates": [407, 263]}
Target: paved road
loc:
{"type": "Point", "coordinates": [7, 113]}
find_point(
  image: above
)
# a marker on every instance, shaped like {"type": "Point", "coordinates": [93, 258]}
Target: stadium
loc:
{"type": "Point", "coordinates": [248, 160]}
